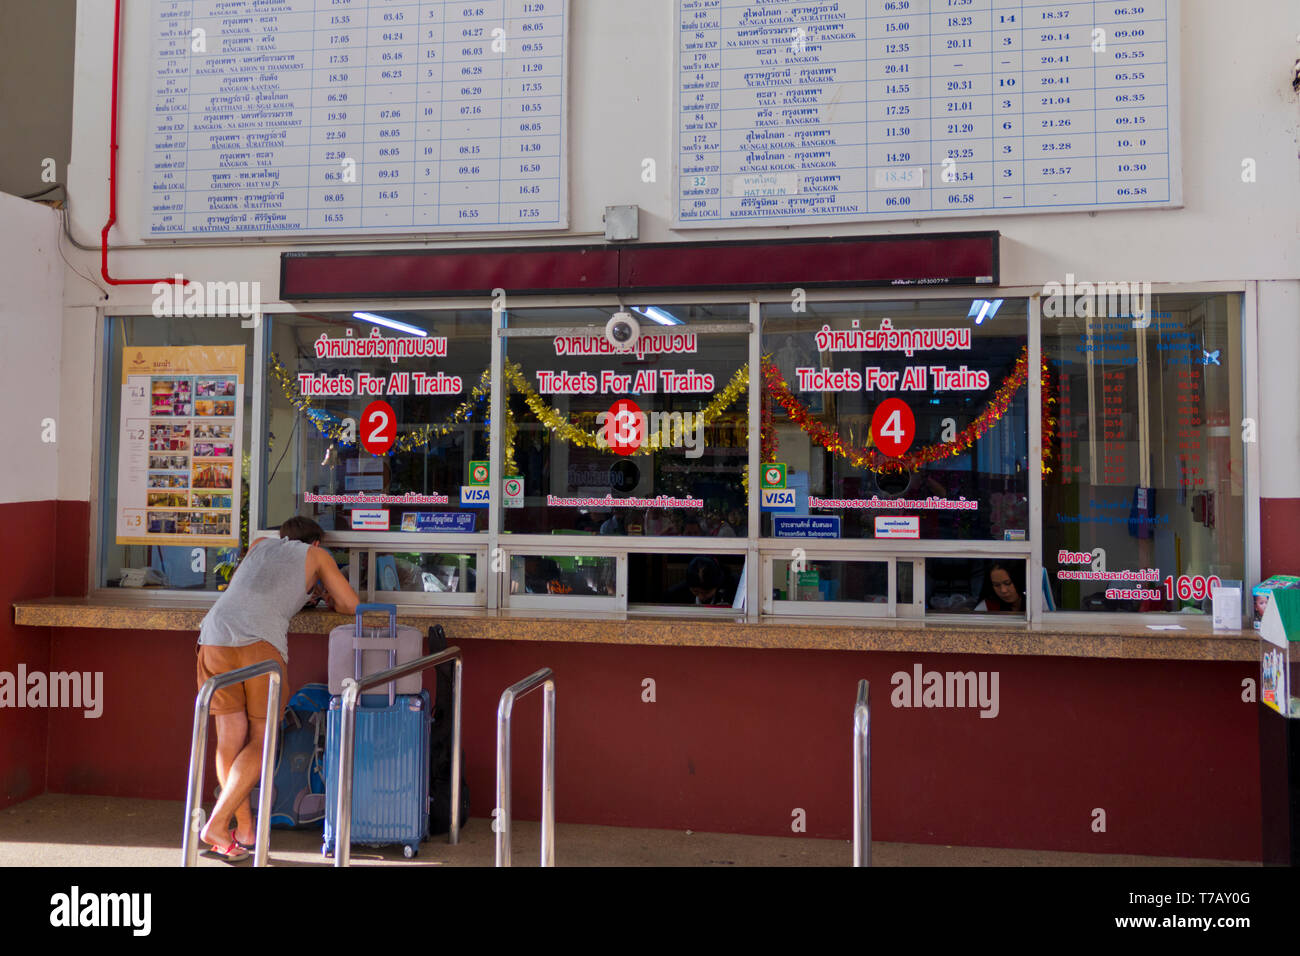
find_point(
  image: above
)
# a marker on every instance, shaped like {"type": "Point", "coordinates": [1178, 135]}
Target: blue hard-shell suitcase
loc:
{"type": "Point", "coordinates": [390, 770]}
{"type": "Point", "coordinates": [390, 779]}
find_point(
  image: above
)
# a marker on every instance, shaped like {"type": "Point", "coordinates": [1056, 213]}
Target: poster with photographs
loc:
{"type": "Point", "coordinates": [180, 460]}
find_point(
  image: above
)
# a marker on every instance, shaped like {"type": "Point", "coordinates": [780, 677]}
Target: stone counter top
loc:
{"type": "Point", "coordinates": [982, 635]}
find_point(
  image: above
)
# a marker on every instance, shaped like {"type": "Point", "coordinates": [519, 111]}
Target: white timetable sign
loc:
{"type": "Point", "coordinates": [848, 110]}
{"type": "Point", "coordinates": [355, 116]}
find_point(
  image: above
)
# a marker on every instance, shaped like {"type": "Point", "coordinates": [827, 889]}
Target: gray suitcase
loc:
{"type": "Point", "coordinates": [357, 650]}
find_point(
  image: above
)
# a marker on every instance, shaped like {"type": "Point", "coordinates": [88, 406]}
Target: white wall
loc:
{"type": "Point", "coordinates": [77, 403]}
{"type": "Point", "coordinates": [1279, 390]}
{"type": "Point", "coordinates": [1236, 103]}
{"type": "Point", "coordinates": [31, 332]}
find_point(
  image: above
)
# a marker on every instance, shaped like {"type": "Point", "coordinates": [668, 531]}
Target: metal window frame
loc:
{"type": "Point", "coordinates": [575, 546]}
{"type": "Point", "coordinates": [758, 549]}
{"type": "Point", "coordinates": [855, 609]}
{"type": "Point", "coordinates": [1249, 350]}
{"type": "Point", "coordinates": [895, 550]}
{"type": "Point", "coordinates": [476, 598]}
{"type": "Point", "coordinates": [101, 432]}
{"type": "Point", "coordinates": [560, 602]}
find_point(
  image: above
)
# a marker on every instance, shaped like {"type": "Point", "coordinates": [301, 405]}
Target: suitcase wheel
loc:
{"type": "Point", "coordinates": [409, 850]}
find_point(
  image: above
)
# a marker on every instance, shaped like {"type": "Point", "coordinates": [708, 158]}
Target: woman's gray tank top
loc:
{"type": "Point", "coordinates": [266, 591]}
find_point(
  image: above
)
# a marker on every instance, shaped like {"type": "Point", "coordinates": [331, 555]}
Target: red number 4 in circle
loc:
{"type": "Point", "coordinates": [893, 427]}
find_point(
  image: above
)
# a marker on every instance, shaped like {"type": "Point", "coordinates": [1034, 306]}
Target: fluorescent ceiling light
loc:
{"type": "Point", "coordinates": [982, 309]}
{"type": "Point", "coordinates": [657, 314]}
{"type": "Point", "coordinates": [391, 323]}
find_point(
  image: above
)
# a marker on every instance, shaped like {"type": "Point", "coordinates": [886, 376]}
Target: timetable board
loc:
{"type": "Point", "coordinates": [356, 117]}
{"type": "Point", "coordinates": [802, 111]}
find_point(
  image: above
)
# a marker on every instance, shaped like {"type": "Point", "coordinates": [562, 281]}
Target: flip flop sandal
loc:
{"type": "Point", "coordinates": [232, 852]}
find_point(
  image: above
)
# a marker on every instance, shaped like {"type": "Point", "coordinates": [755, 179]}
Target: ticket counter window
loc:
{"type": "Point", "coordinates": [865, 581]}
{"type": "Point", "coordinates": [373, 420]}
{"type": "Point", "coordinates": [576, 576]}
{"type": "Point", "coordinates": [680, 580]}
{"type": "Point", "coordinates": [386, 575]}
{"type": "Point", "coordinates": [1143, 499]}
{"type": "Point", "coordinates": [425, 573]}
{"type": "Point", "coordinates": [994, 586]}
{"type": "Point", "coordinates": [649, 442]}
{"type": "Point", "coordinates": [898, 420]}
{"type": "Point", "coordinates": [175, 462]}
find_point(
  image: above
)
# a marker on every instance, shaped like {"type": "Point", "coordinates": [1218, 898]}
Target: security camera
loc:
{"type": "Point", "coordinates": [622, 330]}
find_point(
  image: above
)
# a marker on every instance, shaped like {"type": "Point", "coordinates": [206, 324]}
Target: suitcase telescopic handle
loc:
{"type": "Point", "coordinates": [391, 610]}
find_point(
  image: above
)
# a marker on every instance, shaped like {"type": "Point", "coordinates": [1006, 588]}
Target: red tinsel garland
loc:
{"type": "Point", "coordinates": [871, 458]}
{"type": "Point", "coordinates": [766, 430]}
{"type": "Point", "coordinates": [1049, 433]}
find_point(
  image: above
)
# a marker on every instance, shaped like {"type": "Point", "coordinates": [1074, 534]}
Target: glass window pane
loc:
{"type": "Point", "coordinates": [328, 377]}
{"type": "Point", "coordinates": [880, 443]}
{"type": "Point", "coordinates": [569, 575]}
{"type": "Point", "coordinates": [684, 578]}
{"type": "Point", "coordinates": [860, 581]}
{"type": "Point", "coordinates": [185, 454]}
{"type": "Point", "coordinates": [646, 442]}
{"type": "Point", "coordinates": [426, 573]}
{"type": "Point", "coordinates": [905, 578]}
{"type": "Point", "coordinates": [1144, 501]}
{"type": "Point", "coordinates": [960, 585]}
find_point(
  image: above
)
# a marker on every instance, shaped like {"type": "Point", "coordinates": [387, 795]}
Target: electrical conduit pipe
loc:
{"type": "Point", "coordinates": [112, 168]}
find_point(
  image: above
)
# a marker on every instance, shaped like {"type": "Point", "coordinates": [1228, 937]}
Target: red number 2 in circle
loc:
{"type": "Point", "coordinates": [378, 427]}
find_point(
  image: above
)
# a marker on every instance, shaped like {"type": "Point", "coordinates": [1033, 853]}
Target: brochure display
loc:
{"type": "Point", "coordinates": [1279, 654]}
{"type": "Point", "coordinates": [180, 431]}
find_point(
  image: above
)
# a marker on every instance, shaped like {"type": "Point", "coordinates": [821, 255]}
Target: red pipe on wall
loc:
{"type": "Point", "coordinates": [112, 168]}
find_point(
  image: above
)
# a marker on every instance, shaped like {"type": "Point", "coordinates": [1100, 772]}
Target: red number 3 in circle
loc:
{"type": "Point", "coordinates": [378, 428]}
{"type": "Point", "coordinates": [893, 427]}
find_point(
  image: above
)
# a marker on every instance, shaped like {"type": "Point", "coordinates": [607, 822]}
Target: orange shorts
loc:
{"type": "Point", "coordinates": [247, 697]}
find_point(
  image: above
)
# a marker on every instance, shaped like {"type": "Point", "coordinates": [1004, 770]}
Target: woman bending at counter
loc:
{"type": "Point", "coordinates": [247, 624]}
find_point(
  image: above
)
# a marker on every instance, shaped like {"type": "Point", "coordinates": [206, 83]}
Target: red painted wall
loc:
{"type": "Point", "coordinates": [72, 545]}
{"type": "Point", "coordinates": [1279, 544]}
{"type": "Point", "coordinates": [26, 571]}
{"type": "Point", "coordinates": [738, 739]}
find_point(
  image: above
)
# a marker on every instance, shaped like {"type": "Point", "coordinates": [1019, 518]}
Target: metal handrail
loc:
{"type": "Point", "coordinates": [862, 776]}
{"type": "Point", "coordinates": [194, 817]}
{"type": "Point", "coordinates": [504, 709]}
{"type": "Point", "coordinates": [352, 691]}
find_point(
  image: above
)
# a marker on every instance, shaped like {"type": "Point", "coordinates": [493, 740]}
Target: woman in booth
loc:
{"type": "Point", "coordinates": [1004, 588]}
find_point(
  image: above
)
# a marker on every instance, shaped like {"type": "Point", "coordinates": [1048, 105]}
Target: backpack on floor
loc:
{"type": "Point", "coordinates": [440, 745]}
{"type": "Point", "coordinates": [298, 796]}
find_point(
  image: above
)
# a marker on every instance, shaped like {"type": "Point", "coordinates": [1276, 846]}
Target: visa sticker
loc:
{"type": "Point", "coordinates": [777, 499]}
{"type": "Point", "coordinates": [475, 496]}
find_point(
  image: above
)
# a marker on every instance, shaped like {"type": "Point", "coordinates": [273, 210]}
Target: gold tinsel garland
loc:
{"type": "Point", "coordinates": [332, 427]}
{"type": "Point", "coordinates": [560, 424]}
{"type": "Point", "coordinates": [557, 421]}
{"type": "Point", "coordinates": [512, 431]}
